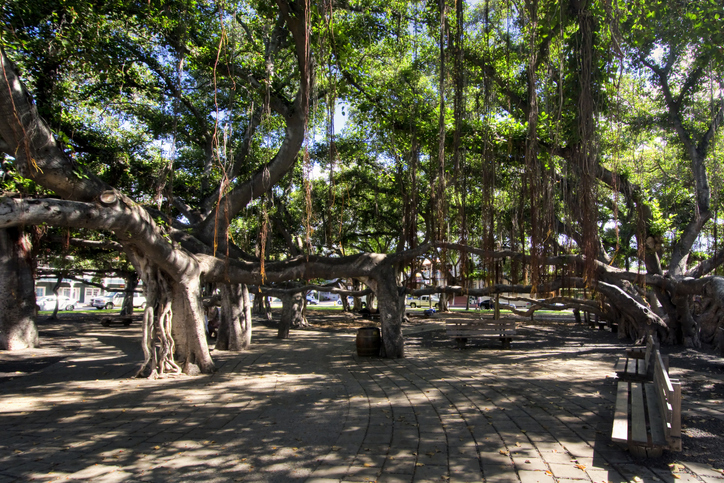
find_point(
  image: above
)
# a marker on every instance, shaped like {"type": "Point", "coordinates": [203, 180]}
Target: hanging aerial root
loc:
{"type": "Point", "coordinates": [158, 344]}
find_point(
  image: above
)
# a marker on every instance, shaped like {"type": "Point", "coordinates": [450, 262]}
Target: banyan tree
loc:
{"type": "Point", "coordinates": [569, 152]}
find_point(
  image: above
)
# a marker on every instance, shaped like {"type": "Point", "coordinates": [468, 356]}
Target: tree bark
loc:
{"type": "Point", "coordinates": [391, 303]}
{"type": "Point", "coordinates": [292, 305]}
{"type": "Point", "coordinates": [189, 332]}
{"type": "Point", "coordinates": [131, 284]}
{"type": "Point", "coordinates": [231, 336]}
{"type": "Point", "coordinates": [174, 335]}
{"type": "Point", "coordinates": [17, 287]}
{"type": "Point", "coordinates": [56, 287]}
{"type": "Point", "coordinates": [246, 325]}
{"type": "Point", "coordinates": [258, 304]}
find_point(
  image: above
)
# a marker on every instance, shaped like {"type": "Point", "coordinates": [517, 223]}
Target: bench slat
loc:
{"type": "Point", "coordinates": [631, 367]}
{"type": "Point", "coordinates": [620, 367]}
{"type": "Point", "coordinates": [638, 414]}
{"type": "Point", "coordinates": [642, 369]}
{"type": "Point", "coordinates": [669, 397]}
{"type": "Point", "coordinates": [635, 364]}
{"type": "Point", "coordinates": [620, 417]}
{"type": "Point", "coordinates": [649, 414]}
{"type": "Point", "coordinates": [656, 423]}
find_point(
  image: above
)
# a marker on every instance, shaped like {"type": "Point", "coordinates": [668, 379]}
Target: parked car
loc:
{"type": "Point", "coordinates": [311, 300]}
{"type": "Point", "coordinates": [423, 301]}
{"type": "Point", "coordinates": [48, 303]}
{"type": "Point", "coordinates": [115, 299]}
{"type": "Point", "coordinates": [489, 304]}
{"type": "Point", "coordinates": [518, 304]}
{"type": "Point", "coordinates": [486, 304]}
{"type": "Point", "coordinates": [504, 303]}
{"type": "Point", "coordinates": [350, 301]}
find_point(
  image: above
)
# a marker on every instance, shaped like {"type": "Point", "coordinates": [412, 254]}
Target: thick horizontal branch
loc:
{"type": "Point", "coordinates": [132, 225]}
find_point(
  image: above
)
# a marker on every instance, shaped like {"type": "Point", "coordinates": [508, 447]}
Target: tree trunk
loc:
{"type": "Point", "coordinates": [443, 304]}
{"type": "Point", "coordinates": [17, 286]}
{"type": "Point", "coordinates": [189, 331]}
{"type": "Point", "coordinates": [686, 323]}
{"type": "Point", "coordinates": [258, 307]}
{"type": "Point", "coordinates": [230, 336]}
{"type": "Point", "coordinates": [345, 303]}
{"type": "Point", "coordinates": [173, 326]}
{"type": "Point", "coordinates": [292, 305]}
{"type": "Point", "coordinates": [391, 303]}
{"type": "Point", "coordinates": [56, 287]}
{"type": "Point", "coordinates": [710, 320]}
{"type": "Point", "coordinates": [246, 326]}
{"type": "Point", "coordinates": [370, 300]}
{"type": "Point", "coordinates": [131, 284]}
{"type": "Point", "coordinates": [267, 308]}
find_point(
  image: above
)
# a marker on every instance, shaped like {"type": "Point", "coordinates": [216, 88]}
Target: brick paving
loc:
{"type": "Point", "coordinates": [309, 409]}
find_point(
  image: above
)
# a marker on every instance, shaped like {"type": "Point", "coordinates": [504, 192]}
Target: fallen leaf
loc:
{"type": "Point", "coordinates": [581, 467]}
{"type": "Point", "coordinates": [504, 451]}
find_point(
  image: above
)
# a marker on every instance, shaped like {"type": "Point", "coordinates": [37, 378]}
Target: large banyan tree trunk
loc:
{"type": "Point", "coordinates": [391, 304]}
{"type": "Point", "coordinates": [17, 287]}
{"type": "Point", "coordinates": [235, 327]}
{"type": "Point", "coordinates": [174, 336]}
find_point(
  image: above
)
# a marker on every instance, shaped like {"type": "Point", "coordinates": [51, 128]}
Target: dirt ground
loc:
{"type": "Point", "coordinates": [701, 372]}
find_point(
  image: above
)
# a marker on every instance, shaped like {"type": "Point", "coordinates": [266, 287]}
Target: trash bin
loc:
{"type": "Point", "coordinates": [369, 341]}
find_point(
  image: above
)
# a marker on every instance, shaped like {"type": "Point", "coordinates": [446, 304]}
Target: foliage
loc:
{"type": "Point", "coordinates": [157, 98]}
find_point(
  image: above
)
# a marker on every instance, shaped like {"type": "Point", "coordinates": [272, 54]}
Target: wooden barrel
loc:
{"type": "Point", "coordinates": [369, 341]}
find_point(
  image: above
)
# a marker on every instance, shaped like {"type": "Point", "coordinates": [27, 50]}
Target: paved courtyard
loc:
{"type": "Point", "coordinates": [309, 409]}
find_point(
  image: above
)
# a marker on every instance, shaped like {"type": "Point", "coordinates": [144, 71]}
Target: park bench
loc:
{"type": "Point", "coordinates": [462, 329]}
{"type": "Point", "coordinates": [648, 415]}
{"type": "Point", "coordinates": [635, 363]}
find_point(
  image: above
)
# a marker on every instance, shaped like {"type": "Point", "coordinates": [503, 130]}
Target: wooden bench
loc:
{"type": "Point", "coordinates": [648, 415]}
{"type": "Point", "coordinates": [462, 329]}
{"type": "Point", "coordinates": [634, 365]}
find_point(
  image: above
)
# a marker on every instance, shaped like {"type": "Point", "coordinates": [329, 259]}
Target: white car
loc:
{"type": "Point", "coordinates": [350, 301]}
{"type": "Point", "coordinates": [48, 303]}
{"type": "Point", "coordinates": [115, 299]}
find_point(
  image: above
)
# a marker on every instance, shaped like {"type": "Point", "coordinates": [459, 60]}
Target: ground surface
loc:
{"type": "Point", "coordinates": [701, 372]}
{"type": "Point", "coordinates": [310, 409]}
